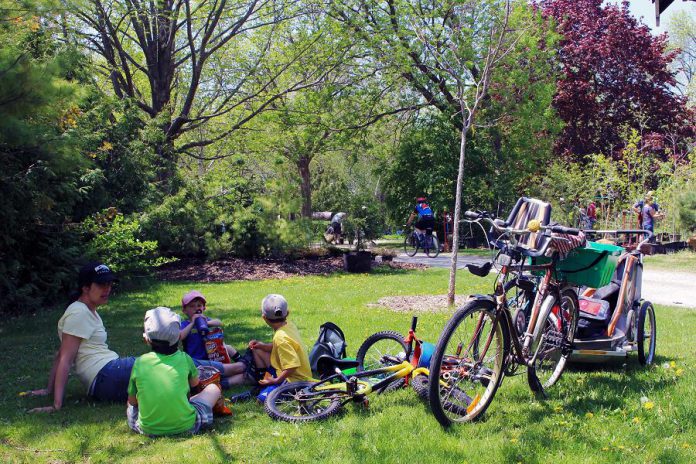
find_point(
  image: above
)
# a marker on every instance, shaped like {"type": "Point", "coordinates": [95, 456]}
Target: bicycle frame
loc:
{"type": "Point", "coordinates": [541, 307]}
{"type": "Point", "coordinates": [404, 370]}
{"type": "Point", "coordinates": [356, 388]}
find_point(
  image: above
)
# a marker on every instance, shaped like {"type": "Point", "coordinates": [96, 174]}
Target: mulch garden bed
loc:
{"type": "Point", "coordinates": [229, 269]}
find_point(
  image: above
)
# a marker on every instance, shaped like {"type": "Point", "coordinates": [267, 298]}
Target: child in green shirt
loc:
{"type": "Point", "coordinates": [158, 402]}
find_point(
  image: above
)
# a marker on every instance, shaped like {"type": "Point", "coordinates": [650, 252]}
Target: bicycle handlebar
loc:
{"type": "Point", "coordinates": [563, 230]}
{"type": "Point", "coordinates": [498, 224]}
{"type": "Point", "coordinates": [532, 226]}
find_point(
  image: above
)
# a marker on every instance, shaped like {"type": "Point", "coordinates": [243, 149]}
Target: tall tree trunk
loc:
{"type": "Point", "coordinates": [457, 215]}
{"type": "Point", "coordinates": [305, 185]}
{"type": "Point", "coordinates": [166, 170]}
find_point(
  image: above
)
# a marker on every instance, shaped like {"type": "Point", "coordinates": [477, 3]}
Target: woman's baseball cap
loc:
{"type": "Point", "coordinates": [190, 296]}
{"type": "Point", "coordinates": [95, 272]}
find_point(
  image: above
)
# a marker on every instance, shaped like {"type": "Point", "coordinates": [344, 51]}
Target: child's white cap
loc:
{"type": "Point", "coordinates": [274, 307]}
{"type": "Point", "coordinates": [162, 324]}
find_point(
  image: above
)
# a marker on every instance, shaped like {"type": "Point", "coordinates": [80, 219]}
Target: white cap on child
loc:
{"type": "Point", "coordinates": [162, 324]}
{"type": "Point", "coordinates": [274, 307]}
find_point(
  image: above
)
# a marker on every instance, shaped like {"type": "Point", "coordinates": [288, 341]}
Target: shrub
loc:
{"type": "Point", "coordinates": [687, 210]}
{"type": "Point", "coordinates": [115, 239]}
{"type": "Point", "coordinates": [180, 224]}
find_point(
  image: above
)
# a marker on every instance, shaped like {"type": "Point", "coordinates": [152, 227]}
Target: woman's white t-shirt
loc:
{"type": "Point", "coordinates": [93, 352]}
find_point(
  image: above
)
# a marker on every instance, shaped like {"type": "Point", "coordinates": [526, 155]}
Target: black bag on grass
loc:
{"type": "Point", "coordinates": [331, 341]}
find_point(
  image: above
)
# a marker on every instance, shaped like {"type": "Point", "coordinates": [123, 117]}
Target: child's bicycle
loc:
{"type": "Point", "coordinates": [381, 366]}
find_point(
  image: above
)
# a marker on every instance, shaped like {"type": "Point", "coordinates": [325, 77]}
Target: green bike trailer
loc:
{"type": "Point", "coordinates": [590, 266]}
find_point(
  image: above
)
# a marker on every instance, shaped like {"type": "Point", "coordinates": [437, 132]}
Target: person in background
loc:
{"type": "Point", "coordinates": [650, 215]}
{"type": "Point", "coordinates": [640, 204]}
{"type": "Point", "coordinates": [424, 214]}
{"type": "Point", "coordinates": [334, 231]}
{"type": "Point", "coordinates": [592, 214]}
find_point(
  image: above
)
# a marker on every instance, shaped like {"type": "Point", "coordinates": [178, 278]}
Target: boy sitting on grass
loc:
{"type": "Point", "coordinates": [285, 358]}
{"type": "Point", "coordinates": [193, 305]}
{"type": "Point", "coordinates": [158, 402]}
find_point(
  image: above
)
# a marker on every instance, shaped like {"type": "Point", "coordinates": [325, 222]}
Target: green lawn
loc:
{"type": "Point", "coordinates": [594, 415]}
{"type": "Point", "coordinates": [684, 260]}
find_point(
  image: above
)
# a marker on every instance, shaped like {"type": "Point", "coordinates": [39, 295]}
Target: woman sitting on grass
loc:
{"type": "Point", "coordinates": [83, 343]}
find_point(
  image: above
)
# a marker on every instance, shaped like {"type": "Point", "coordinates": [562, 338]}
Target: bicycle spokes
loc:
{"type": "Point", "coordinates": [471, 365]}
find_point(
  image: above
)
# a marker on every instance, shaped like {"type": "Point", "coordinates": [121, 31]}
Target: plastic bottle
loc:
{"type": "Point", "coordinates": [201, 325]}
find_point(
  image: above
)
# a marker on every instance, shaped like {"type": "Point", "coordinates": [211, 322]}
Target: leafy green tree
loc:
{"type": "Point", "coordinates": [189, 66]}
{"type": "Point", "coordinates": [447, 52]}
{"type": "Point", "coordinates": [682, 37]}
{"type": "Point", "coordinates": [687, 210]}
{"type": "Point", "coordinates": [39, 182]}
{"type": "Point", "coordinates": [123, 169]}
{"type": "Point", "coordinates": [114, 236]}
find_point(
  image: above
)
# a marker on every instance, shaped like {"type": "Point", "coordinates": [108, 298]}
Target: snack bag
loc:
{"type": "Point", "coordinates": [209, 375]}
{"type": "Point", "coordinates": [215, 346]}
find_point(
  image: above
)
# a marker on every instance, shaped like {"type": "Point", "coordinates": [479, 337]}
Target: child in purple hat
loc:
{"type": "Point", "coordinates": [194, 305]}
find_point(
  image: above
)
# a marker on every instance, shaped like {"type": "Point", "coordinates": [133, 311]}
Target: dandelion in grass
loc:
{"type": "Point", "coordinates": [514, 440]}
{"type": "Point", "coordinates": [648, 405]}
{"type": "Point", "coordinates": [679, 372]}
{"type": "Point", "coordinates": [558, 409]}
{"type": "Point", "coordinates": [672, 364]}
{"type": "Point", "coordinates": [686, 445]}
{"type": "Point", "coordinates": [636, 420]}
{"type": "Point", "coordinates": [606, 448]}
{"type": "Point", "coordinates": [589, 415]}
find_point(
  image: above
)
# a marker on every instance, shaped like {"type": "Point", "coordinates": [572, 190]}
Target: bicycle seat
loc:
{"type": "Point", "coordinates": [326, 365]}
{"type": "Point", "coordinates": [482, 270]}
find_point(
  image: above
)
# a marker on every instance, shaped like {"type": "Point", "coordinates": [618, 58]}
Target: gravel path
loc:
{"type": "Point", "coordinates": [670, 288]}
{"type": "Point", "coordinates": [661, 287]}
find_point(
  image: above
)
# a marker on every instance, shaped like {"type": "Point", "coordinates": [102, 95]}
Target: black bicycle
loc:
{"type": "Point", "coordinates": [428, 242]}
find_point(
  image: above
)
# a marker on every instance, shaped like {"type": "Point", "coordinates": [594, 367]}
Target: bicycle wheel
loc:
{"type": "Point", "coordinates": [379, 350]}
{"type": "Point", "coordinates": [421, 385]}
{"type": "Point", "coordinates": [646, 334]}
{"type": "Point", "coordinates": [468, 363]}
{"type": "Point", "coordinates": [555, 342]}
{"type": "Point", "coordinates": [411, 244]}
{"type": "Point", "coordinates": [433, 248]}
{"type": "Point", "coordinates": [300, 402]}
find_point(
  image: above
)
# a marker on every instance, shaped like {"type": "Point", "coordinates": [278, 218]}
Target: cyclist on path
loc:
{"type": "Point", "coordinates": [422, 211]}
